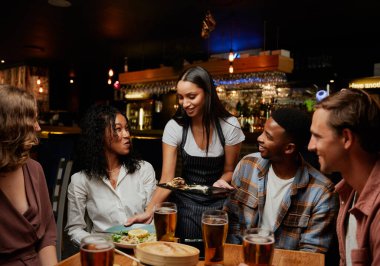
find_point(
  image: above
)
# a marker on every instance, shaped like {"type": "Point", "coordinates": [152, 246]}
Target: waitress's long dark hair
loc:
{"type": "Point", "coordinates": [213, 109]}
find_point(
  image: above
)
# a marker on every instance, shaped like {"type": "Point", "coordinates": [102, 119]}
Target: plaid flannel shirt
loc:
{"type": "Point", "coordinates": [307, 215]}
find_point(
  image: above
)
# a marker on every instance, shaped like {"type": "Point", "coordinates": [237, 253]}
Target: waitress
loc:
{"type": "Point", "coordinates": [209, 139]}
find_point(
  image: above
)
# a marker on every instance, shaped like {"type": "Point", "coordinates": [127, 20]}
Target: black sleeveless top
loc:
{"type": "Point", "coordinates": [202, 171]}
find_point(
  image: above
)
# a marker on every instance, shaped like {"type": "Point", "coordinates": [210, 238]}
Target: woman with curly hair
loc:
{"type": "Point", "coordinates": [27, 225]}
{"type": "Point", "coordinates": [113, 184]}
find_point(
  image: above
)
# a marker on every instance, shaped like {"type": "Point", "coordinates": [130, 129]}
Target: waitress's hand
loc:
{"type": "Point", "coordinates": [144, 217]}
{"type": "Point", "coordinates": [223, 184]}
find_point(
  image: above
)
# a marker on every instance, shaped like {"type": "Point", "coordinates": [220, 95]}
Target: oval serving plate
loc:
{"type": "Point", "coordinates": [121, 228]}
{"type": "Point", "coordinates": [213, 192]}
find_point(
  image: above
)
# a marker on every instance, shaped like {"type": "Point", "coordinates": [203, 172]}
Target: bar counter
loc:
{"type": "Point", "coordinates": [47, 130]}
{"type": "Point", "coordinates": [233, 255]}
{"type": "Point", "coordinates": [61, 141]}
{"type": "Point", "coordinates": [142, 139]}
{"type": "Point", "coordinates": [152, 133]}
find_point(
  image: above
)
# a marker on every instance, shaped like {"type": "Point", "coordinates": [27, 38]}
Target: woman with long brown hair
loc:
{"type": "Point", "coordinates": [27, 225]}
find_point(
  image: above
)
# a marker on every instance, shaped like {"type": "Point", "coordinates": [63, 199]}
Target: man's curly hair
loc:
{"type": "Point", "coordinates": [92, 160]}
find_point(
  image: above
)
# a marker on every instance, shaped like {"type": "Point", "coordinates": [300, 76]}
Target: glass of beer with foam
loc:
{"type": "Point", "coordinates": [214, 231]}
{"type": "Point", "coordinates": [97, 250]}
{"type": "Point", "coordinates": [165, 221]}
{"type": "Point", "coordinates": [258, 244]}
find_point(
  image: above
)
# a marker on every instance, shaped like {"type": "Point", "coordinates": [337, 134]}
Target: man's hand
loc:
{"type": "Point", "coordinates": [223, 184]}
{"type": "Point", "coordinates": [144, 217]}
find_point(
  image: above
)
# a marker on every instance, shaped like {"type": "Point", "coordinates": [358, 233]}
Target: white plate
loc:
{"type": "Point", "coordinates": [121, 228]}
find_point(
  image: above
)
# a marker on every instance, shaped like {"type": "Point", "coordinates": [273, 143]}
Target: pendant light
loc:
{"type": "Point", "coordinates": [231, 68]}
{"type": "Point", "coordinates": [231, 56]}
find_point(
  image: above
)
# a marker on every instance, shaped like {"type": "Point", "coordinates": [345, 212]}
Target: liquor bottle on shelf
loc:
{"type": "Point", "coordinates": [239, 109]}
{"type": "Point", "coordinates": [262, 110]}
{"type": "Point", "coordinates": [268, 111]}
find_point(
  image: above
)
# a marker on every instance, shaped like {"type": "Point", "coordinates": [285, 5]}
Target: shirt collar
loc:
{"type": "Point", "coordinates": [301, 178]}
{"type": "Point", "coordinates": [370, 192]}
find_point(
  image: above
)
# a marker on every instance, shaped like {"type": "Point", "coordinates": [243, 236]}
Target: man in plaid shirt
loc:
{"type": "Point", "coordinates": [277, 189]}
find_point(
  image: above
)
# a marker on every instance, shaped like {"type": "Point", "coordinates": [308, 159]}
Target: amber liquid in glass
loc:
{"type": "Point", "coordinates": [165, 222]}
{"type": "Point", "coordinates": [214, 236]}
{"type": "Point", "coordinates": [97, 254]}
{"type": "Point", "coordinates": [258, 250]}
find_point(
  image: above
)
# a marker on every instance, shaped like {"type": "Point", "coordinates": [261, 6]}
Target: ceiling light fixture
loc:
{"type": "Point", "coordinates": [231, 68]}
{"type": "Point", "coordinates": [59, 3]}
{"type": "Point", "coordinates": [110, 73]}
{"type": "Point", "coordinates": [231, 56]}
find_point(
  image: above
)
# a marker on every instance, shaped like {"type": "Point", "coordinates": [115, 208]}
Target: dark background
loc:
{"type": "Point", "coordinates": [327, 39]}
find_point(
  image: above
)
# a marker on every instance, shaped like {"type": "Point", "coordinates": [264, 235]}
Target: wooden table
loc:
{"type": "Point", "coordinates": [233, 255]}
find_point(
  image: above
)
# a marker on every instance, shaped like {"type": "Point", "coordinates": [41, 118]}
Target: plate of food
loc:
{"type": "Point", "coordinates": [179, 184]}
{"type": "Point", "coordinates": [131, 236]}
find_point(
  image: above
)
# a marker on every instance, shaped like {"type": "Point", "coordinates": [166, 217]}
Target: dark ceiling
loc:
{"type": "Point", "coordinates": [153, 32]}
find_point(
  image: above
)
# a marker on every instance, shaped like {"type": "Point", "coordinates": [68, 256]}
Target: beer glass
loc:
{"type": "Point", "coordinates": [214, 231]}
{"type": "Point", "coordinates": [258, 246]}
{"type": "Point", "coordinates": [97, 250]}
{"type": "Point", "coordinates": [165, 221]}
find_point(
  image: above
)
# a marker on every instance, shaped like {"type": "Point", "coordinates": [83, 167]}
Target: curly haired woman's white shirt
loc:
{"type": "Point", "coordinates": [96, 201]}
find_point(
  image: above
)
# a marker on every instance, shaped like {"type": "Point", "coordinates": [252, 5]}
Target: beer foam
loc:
{"type": "Point", "coordinates": [214, 221]}
{"type": "Point", "coordinates": [257, 239]}
{"type": "Point", "coordinates": [96, 247]}
{"type": "Point", "coordinates": [165, 210]}
{"type": "Point", "coordinates": [95, 243]}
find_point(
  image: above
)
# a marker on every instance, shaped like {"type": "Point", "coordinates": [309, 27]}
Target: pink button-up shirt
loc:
{"type": "Point", "coordinates": [367, 213]}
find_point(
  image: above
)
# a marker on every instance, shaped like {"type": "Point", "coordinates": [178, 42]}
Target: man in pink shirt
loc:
{"type": "Point", "coordinates": [346, 137]}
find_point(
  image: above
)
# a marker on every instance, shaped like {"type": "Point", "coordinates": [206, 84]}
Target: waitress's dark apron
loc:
{"type": "Point", "coordinates": [202, 171]}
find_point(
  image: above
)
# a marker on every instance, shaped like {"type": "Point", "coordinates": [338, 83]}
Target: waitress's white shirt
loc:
{"type": "Point", "coordinates": [231, 131]}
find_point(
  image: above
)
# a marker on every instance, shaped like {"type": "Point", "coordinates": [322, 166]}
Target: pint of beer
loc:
{"type": "Point", "coordinates": [97, 250]}
{"type": "Point", "coordinates": [165, 221]}
{"type": "Point", "coordinates": [214, 231]}
{"type": "Point", "coordinates": [258, 247]}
